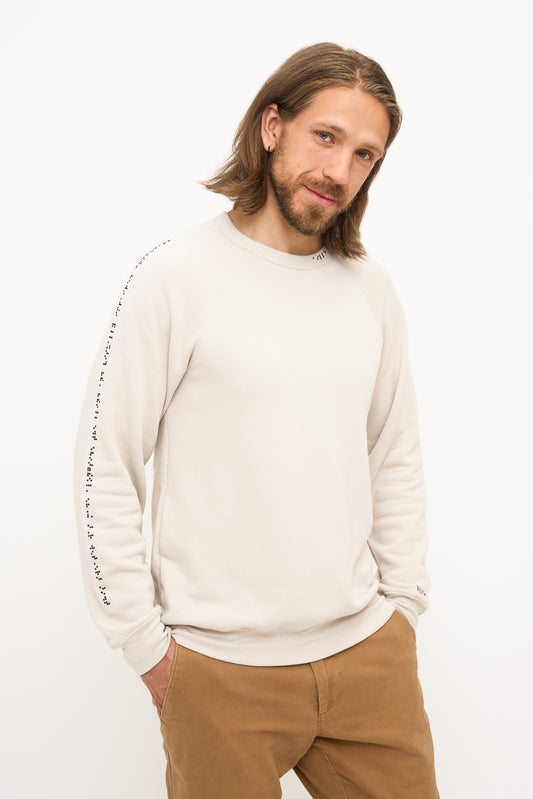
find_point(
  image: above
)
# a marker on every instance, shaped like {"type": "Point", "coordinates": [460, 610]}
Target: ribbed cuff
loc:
{"type": "Point", "coordinates": [147, 646]}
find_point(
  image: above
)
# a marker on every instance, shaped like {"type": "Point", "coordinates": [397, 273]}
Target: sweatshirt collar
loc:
{"type": "Point", "coordinates": [313, 261]}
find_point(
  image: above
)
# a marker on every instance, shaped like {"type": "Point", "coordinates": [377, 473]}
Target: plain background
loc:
{"type": "Point", "coordinates": [111, 114]}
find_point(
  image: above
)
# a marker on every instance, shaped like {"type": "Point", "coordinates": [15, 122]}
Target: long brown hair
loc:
{"type": "Point", "coordinates": [243, 177]}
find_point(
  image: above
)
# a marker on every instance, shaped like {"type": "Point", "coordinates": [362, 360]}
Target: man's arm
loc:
{"type": "Point", "coordinates": [140, 360]}
{"type": "Point", "coordinates": [399, 536]}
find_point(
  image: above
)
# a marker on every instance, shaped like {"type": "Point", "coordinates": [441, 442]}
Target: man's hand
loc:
{"type": "Point", "coordinates": [158, 677]}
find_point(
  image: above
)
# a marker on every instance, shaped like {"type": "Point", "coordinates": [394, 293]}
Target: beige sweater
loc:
{"type": "Point", "coordinates": [275, 394]}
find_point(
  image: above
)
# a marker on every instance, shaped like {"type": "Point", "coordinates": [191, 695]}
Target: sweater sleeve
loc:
{"type": "Point", "coordinates": [127, 394]}
{"type": "Point", "coordinates": [398, 540]}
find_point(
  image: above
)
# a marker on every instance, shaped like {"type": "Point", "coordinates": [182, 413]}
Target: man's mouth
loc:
{"type": "Point", "coordinates": [321, 199]}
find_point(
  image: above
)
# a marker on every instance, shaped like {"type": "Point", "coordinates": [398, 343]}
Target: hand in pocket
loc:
{"type": "Point", "coordinates": [158, 677]}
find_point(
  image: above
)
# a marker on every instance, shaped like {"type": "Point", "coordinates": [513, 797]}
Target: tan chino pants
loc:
{"type": "Point", "coordinates": [351, 725]}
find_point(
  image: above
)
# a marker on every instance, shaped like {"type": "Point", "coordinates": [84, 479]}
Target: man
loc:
{"type": "Point", "coordinates": [262, 358]}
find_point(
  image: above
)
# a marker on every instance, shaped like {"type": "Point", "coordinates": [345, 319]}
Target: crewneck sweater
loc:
{"type": "Point", "coordinates": [275, 394]}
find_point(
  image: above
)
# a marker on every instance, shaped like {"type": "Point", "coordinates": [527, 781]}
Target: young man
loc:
{"type": "Point", "coordinates": [262, 358]}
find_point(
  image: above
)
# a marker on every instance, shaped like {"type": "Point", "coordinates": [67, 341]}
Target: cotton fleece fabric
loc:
{"type": "Point", "coordinates": [276, 396]}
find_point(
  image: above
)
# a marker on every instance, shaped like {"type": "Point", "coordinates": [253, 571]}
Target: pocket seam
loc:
{"type": "Point", "coordinates": [170, 679]}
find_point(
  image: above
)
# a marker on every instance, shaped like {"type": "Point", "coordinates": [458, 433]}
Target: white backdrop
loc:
{"type": "Point", "coordinates": [112, 113]}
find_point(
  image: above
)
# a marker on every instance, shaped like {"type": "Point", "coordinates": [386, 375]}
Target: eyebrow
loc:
{"type": "Point", "coordinates": [336, 129]}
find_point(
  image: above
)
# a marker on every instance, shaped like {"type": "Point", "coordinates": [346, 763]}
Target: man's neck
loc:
{"type": "Point", "coordinates": [267, 226]}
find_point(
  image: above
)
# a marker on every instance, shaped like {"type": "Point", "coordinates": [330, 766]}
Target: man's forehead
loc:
{"type": "Point", "coordinates": [335, 95]}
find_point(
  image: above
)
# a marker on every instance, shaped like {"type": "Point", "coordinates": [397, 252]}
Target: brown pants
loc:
{"type": "Point", "coordinates": [352, 725]}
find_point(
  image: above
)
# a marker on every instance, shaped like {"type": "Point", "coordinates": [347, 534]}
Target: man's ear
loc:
{"type": "Point", "coordinates": [271, 125]}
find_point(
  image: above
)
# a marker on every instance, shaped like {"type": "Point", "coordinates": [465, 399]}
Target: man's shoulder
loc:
{"type": "Point", "coordinates": [198, 235]}
{"type": "Point", "coordinates": [189, 254]}
{"type": "Point", "coordinates": [368, 271]}
{"type": "Point", "coordinates": [373, 279]}
{"type": "Point", "coordinates": [192, 242]}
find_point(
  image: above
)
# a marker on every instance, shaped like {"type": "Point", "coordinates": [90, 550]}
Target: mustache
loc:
{"type": "Point", "coordinates": [326, 189]}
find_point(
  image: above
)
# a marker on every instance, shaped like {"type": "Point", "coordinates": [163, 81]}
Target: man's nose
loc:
{"type": "Point", "coordinates": [337, 168]}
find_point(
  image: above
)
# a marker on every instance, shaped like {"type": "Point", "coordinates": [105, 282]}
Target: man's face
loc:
{"type": "Point", "coordinates": [323, 156]}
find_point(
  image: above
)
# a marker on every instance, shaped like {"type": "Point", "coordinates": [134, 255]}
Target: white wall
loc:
{"type": "Point", "coordinates": [112, 112]}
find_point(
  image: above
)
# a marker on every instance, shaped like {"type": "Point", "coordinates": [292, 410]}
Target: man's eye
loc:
{"type": "Point", "coordinates": [365, 153]}
{"type": "Point", "coordinates": [322, 135]}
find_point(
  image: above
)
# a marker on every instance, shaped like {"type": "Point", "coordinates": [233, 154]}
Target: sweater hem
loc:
{"type": "Point", "coordinates": [285, 648]}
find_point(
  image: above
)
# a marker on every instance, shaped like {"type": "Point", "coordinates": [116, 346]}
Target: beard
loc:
{"type": "Point", "coordinates": [310, 220]}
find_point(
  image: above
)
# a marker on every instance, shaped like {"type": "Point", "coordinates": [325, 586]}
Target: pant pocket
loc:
{"type": "Point", "coordinates": [170, 686]}
{"type": "Point", "coordinates": [402, 619]}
